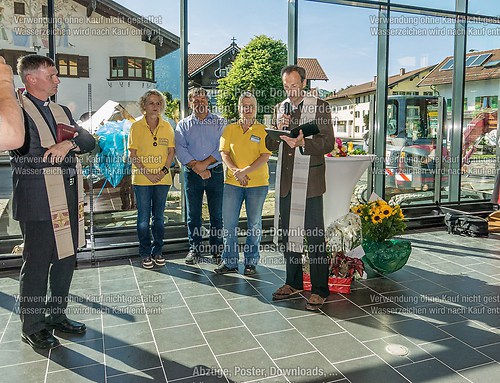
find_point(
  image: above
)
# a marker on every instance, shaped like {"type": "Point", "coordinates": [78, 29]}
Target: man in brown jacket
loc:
{"type": "Point", "coordinates": [300, 180]}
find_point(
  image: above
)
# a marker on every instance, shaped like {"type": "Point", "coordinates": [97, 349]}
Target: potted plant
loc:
{"type": "Point", "coordinates": [380, 222]}
{"type": "Point", "coordinates": [342, 271]}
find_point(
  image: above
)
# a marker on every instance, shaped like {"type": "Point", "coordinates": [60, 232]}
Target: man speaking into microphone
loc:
{"type": "Point", "coordinates": [300, 184]}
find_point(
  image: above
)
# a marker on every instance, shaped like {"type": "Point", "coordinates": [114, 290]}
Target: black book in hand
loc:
{"type": "Point", "coordinates": [308, 129]}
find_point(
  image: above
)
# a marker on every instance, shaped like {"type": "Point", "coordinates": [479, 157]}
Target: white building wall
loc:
{"type": "Point", "coordinates": [473, 89]}
{"type": "Point", "coordinates": [99, 38]}
{"type": "Point", "coordinates": [344, 115]}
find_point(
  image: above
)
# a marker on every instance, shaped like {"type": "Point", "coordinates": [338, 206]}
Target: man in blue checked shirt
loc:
{"type": "Point", "coordinates": [197, 139]}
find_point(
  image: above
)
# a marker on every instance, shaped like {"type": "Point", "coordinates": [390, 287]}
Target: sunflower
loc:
{"type": "Point", "coordinates": [380, 220]}
{"type": "Point", "coordinates": [356, 209]}
{"type": "Point", "coordinates": [386, 211]}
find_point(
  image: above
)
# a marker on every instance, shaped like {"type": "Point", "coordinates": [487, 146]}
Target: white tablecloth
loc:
{"type": "Point", "coordinates": [342, 174]}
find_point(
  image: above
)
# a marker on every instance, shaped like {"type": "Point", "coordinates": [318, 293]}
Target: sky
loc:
{"type": "Point", "coordinates": [342, 38]}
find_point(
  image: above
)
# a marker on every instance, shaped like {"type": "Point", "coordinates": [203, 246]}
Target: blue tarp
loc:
{"type": "Point", "coordinates": [113, 160]}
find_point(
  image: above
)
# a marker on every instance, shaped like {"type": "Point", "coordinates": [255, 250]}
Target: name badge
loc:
{"type": "Point", "coordinates": [255, 139]}
{"type": "Point", "coordinates": [163, 141]}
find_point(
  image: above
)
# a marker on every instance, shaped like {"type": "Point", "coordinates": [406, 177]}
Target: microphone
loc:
{"type": "Point", "coordinates": [288, 112]}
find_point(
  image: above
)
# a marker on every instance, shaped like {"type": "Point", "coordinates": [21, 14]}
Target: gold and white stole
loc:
{"type": "Point", "coordinates": [54, 183]}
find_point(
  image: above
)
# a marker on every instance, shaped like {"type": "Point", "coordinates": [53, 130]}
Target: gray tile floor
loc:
{"type": "Point", "coordinates": [185, 324]}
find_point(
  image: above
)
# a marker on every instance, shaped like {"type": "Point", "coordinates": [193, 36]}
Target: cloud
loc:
{"type": "Point", "coordinates": [407, 61]}
{"type": "Point", "coordinates": [424, 61]}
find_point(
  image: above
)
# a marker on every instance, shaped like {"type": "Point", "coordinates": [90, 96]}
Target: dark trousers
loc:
{"type": "Point", "coordinates": [41, 266]}
{"type": "Point", "coordinates": [195, 187]}
{"type": "Point", "coordinates": [315, 234]}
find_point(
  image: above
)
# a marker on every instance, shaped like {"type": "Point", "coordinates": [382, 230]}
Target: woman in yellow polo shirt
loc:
{"type": "Point", "coordinates": [152, 149]}
{"type": "Point", "coordinates": [244, 152]}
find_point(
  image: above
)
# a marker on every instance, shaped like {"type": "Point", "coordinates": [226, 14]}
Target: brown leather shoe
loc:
{"type": "Point", "coordinates": [315, 302]}
{"type": "Point", "coordinates": [284, 292]}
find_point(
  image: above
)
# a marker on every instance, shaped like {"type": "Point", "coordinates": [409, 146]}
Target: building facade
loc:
{"type": "Point", "coordinates": [205, 70]}
{"type": "Point", "coordinates": [351, 106]}
{"type": "Point", "coordinates": [101, 44]}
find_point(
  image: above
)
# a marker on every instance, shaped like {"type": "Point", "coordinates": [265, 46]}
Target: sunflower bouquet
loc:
{"type": "Point", "coordinates": [380, 220]}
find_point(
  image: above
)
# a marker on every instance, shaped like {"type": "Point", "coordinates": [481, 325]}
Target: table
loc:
{"type": "Point", "coordinates": [342, 175]}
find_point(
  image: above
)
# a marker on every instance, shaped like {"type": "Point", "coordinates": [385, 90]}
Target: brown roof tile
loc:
{"type": "Point", "coordinates": [314, 71]}
{"type": "Point", "coordinates": [197, 60]}
{"type": "Point", "coordinates": [437, 76]}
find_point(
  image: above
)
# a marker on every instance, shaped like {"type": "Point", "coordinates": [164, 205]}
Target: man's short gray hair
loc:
{"type": "Point", "coordinates": [194, 92]}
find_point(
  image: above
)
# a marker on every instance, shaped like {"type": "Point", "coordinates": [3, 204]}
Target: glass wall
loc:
{"type": "Point", "coordinates": [486, 8]}
{"type": "Point", "coordinates": [480, 118]}
{"type": "Point", "coordinates": [344, 43]}
{"type": "Point", "coordinates": [417, 44]}
{"type": "Point", "coordinates": [227, 28]}
{"type": "Point", "coordinates": [448, 5]}
{"type": "Point", "coordinates": [113, 195]}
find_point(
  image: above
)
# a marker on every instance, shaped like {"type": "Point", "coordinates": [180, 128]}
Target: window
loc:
{"type": "Point", "coordinates": [19, 8]}
{"type": "Point", "coordinates": [72, 65]}
{"type": "Point", "coordinates": [405, 93]}
{"type": "Point", "coordinates": [341, 128]}
{"type": "Point", "coordinates": [117, 67]}
{"type": "Point", "coordinates": [479, 60]}
{"type": "Point", "coordinates": [485, 102]}
{"type": "Point", "coordinates": [45, 11]}
{"type": "Point", "coordinates": [448, 104]}
{"type": "Point", "coordinates": [470, 61]}
{"type": "Point", "coordinates": [356, 114]}
{"type": "Point", "coordinates": [356, 129]}
{"type": "Point", "coordinates": [492, 64]}
{"type": "Point", "coordinates": [392, 118]}
{"type": "Point", "coordinates": [132, 68]}
{"type": "Point", "coordinates": [428, 93]}
{"type": "Point", "coordinates": [11, 57]}
{"type": "Point", "coordinates": [149, 69]}
{"type": "Point", "coordinates": [448, 65]}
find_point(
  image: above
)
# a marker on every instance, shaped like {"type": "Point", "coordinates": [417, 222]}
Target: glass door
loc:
{"type": "Point", "coordinates": [414, 159]}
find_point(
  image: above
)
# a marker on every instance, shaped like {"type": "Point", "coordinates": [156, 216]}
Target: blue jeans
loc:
{"type": "Point", "coordinates": [254, 201]}
{"type": "Point", "coordinates": [150, 201]}
{"type": "Point", "coordinates": [194, 187]}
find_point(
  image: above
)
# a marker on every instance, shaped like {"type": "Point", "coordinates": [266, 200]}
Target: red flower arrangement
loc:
{"type": "Point", "coordinates": [342, 271]}
{"type": "Point", "coordinates": [339, 149]}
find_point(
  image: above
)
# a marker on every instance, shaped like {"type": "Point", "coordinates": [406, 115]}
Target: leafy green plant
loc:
{"type": "Point", "coordinates": [343, 266]}
{"type": "Point", "coordinates": [257, 68]}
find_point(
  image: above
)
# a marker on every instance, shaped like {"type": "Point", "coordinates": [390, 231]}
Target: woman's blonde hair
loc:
{"type": "Point", "coordinates": [249, 95]}
{"type": "Point", "coordinates": [152, 92]}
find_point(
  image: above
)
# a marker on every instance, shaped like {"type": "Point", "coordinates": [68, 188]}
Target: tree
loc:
{"type": "Point", "coordinates": [172, 107]}
{"type": "Point", "coordinates": [257, 68]}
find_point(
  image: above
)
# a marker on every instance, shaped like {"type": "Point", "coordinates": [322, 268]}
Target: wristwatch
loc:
{"type": "Point", "coordinates": [72, 140]}
{"type": "Point", "coordinates": [164, 170]}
